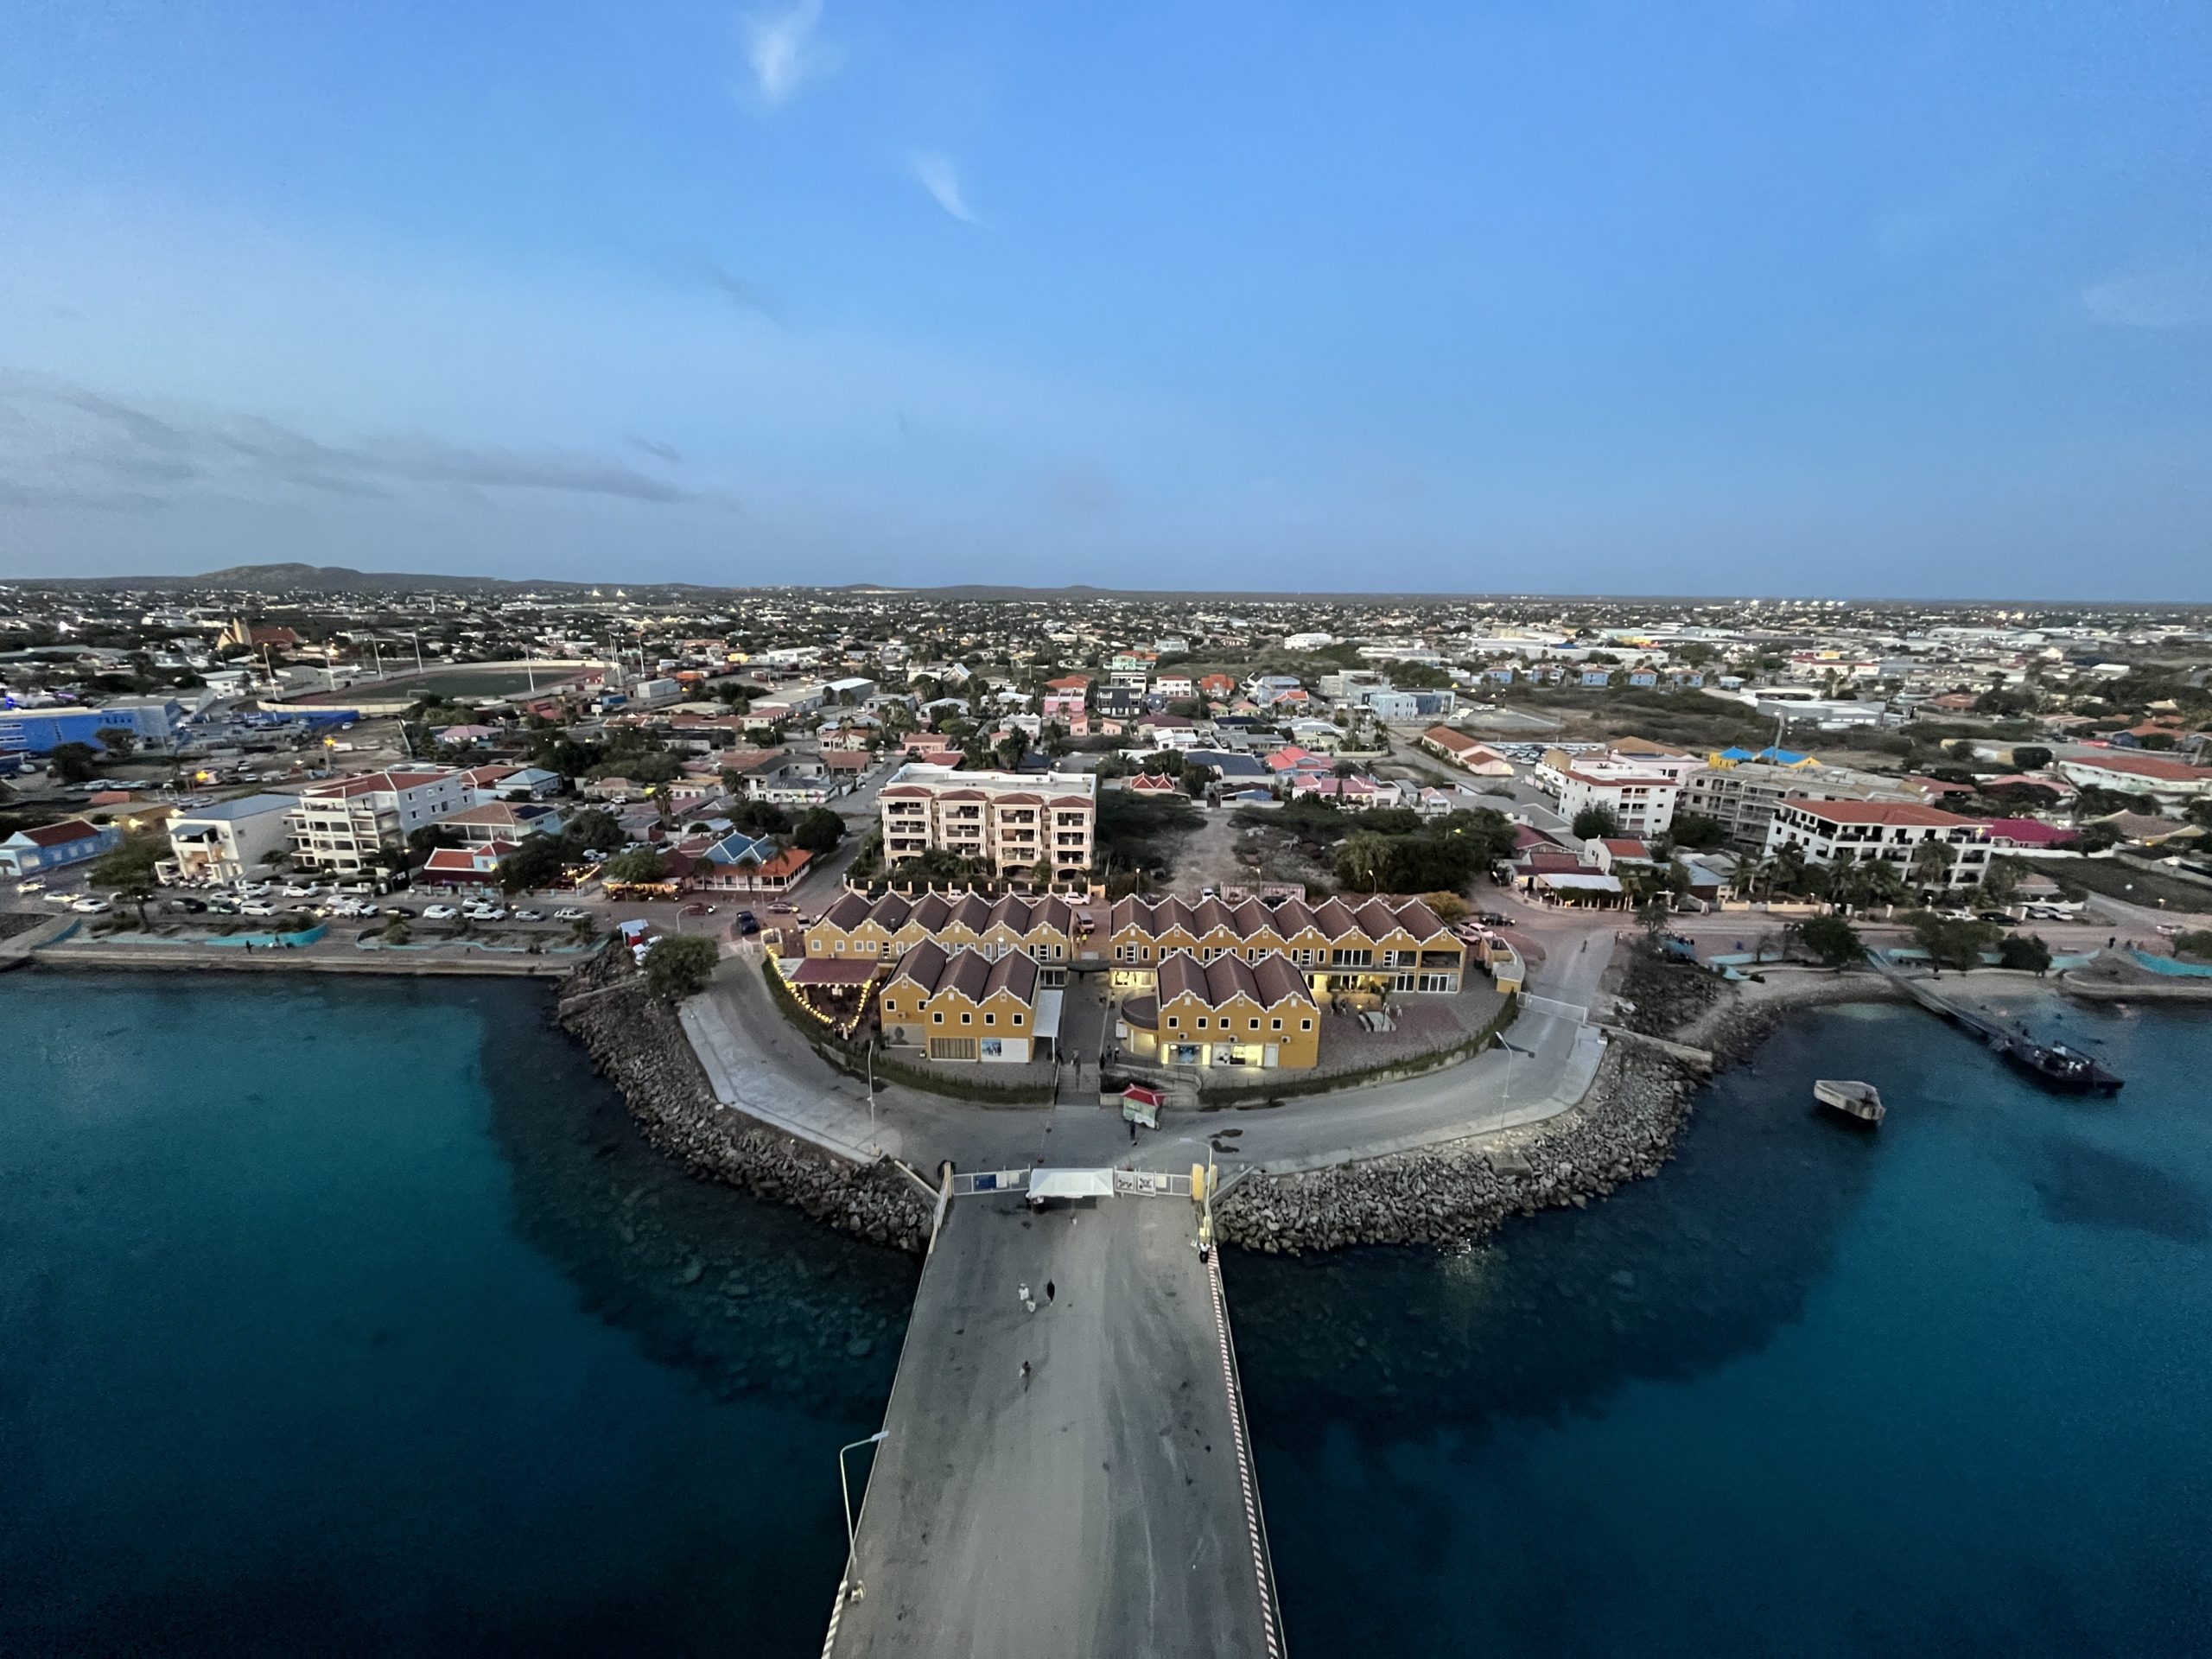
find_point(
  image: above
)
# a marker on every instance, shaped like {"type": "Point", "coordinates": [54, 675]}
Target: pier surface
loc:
{"type": "Point", "coordinates": [1105, 1507]}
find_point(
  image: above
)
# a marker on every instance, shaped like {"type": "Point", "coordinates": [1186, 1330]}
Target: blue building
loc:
{"type": "Point", "coordinates": [152, 721]}
{"type": "Point", "coordinates": [50, 846]}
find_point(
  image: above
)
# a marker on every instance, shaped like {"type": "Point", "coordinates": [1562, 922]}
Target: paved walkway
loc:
{"type": "Point", "coordinates": [757, 1063]}
{"type": "Point", "coordinates": [1098, 1508]}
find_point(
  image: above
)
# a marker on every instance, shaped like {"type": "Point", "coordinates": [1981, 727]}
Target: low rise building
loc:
{"type": "Point", "coordinates": [1372, 944]}
{"type": "Point", "coordinates": [1468, 753]}
{"type": "Point", "coordinates": [1229, 1012]}
{"type": "Point", "coordinates": [343, 825]}
{"type": "Point", "coordinates": [962, 1004]}
{"type": "Point", "coordinates": [2171, 781]}
{"type": "Point", "coordinates": [55, 846]}
{"type": "Point", "coordinates": [1836, 833]}
{"type": "Point", "coordinates": [230, 839]}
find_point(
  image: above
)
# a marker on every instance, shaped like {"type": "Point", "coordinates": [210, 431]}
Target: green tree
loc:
{"type": "Point", "coordinates": [536, 863]}
{"type": "Point", "coordinates": [420, 843]}
{"type": "Point", "coordinates": [2030, 757]}
{"type": "Point", "coordinates": [592, 830]}
{"type": "Point", "coordinates": [121, 741]}
{"type": "Point", "coordinates": [1595, 824]}
{"type": "Point", "coordinates": [128, 870]}
{"type": "Point", "coordinates": [1832, 942]}
{"type": "Point", "coordinates": [1953, 945]}
{"type": "Point", "coordinates": [2026, 951]}
{"type": "Point", "coordinates": [1697, 832]}
{"type": "Point", "coordinates": [645, 864]}
{"type": "Point", "coordinates": [73, 763]}
{"type": "Point", "coordinates": [679, 965]}
{"type": "Point", "coordinates": [819, 830]}
{"type": "Point", "coordinates": [1931, 862]}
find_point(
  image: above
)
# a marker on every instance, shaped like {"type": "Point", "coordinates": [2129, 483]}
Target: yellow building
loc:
{"type": "Point", "coordinates": [1228, 1011]}
{"type": "Point", "coordinates": [962, 1004]}
{"type": "Point", "coordinates": [1371, 944]}
{"type": "Point", "coordinates": [889, 925]}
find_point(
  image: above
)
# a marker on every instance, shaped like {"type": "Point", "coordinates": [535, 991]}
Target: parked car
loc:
{"type": "Point", "coordinates": [257, 907]}
{"type": "Point", "coordinates": [439, 913]}
{"type": "Point", "coordinates": [485, 914]}
{"type": "Point", "coordinates": [222, 907]}
{"type": "Point", "coordinates": [2170, 929]}
{"type": "Point", "coordinates": [530, 915]}
{"type": "Point", "coordinates": [92, 906]}
{"type": "Point", "coordinates": [569, 913]}
{"type": "Point", "coordinates": [747, 923]}
{"type": "Point", "coordinates": [31, 885]}
{"type": "Point", "coordinates": [294, 890]}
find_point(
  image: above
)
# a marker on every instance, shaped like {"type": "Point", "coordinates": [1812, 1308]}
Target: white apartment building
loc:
{"type": "Point", "coordinates": [1843, 832]}
{"type": "Point", "coordinates": [1642, 802]}
{"type": "Point", "coordinates": [343, 824]}
{"type": "Point", "coordinates": [1742, 796]}
{"type": "Point", "coordinates": [230, 839]}
{"type": "Point", "coordinates": [2132, 772]}
{"type": "Point", "coordinates": [1007, 820]}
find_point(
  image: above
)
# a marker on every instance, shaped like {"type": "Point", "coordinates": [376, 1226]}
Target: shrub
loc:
{"type": "Point", "coordinates": [679, 965]}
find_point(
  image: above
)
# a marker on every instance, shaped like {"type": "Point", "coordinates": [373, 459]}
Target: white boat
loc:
{"type": "Point", "coordinates": [1854, 1099]}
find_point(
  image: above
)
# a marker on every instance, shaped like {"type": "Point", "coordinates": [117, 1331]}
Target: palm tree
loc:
{"type": "Point", "coordinates": [1932, 860]}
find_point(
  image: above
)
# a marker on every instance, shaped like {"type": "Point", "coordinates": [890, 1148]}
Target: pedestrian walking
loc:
{"type": "Point", "coordinates": [1023, 1293]}
{"type": "Point", "coordinates": [1024, 1374]}
{"type": "Point", "coordinates": [1048, 1292]}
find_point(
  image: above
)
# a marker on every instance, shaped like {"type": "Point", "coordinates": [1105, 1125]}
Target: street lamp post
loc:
{"type": "Point", "coordinates": [852, 1586]}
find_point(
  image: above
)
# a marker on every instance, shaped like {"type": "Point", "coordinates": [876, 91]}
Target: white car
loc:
{"type": "Point", "coordinates": [61, 898]}
{"type": "Point", "coordinates": [530, 915]}
{"type": "Point", "coordinates": [569, 913]}
{"type": "Point", "coordinates": [294, 890]}
{"type": "Point", "coordinates": [440, 914]}
{"type": "Point", "coordinates": [486, 913]}
{"type": "Point", "coordinates": [344, 907]}
{"type": "Point", "coordinates": [92, 906]}
{"type": "Point", "coordinates": [257, 907]}
{"type": "Point", "coordinates": [33, 885]}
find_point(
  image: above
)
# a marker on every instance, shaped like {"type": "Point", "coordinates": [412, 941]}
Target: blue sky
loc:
{"type": "Point", "coordinates": [1764, 297]}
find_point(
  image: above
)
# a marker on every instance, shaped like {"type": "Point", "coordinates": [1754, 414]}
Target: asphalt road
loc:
{"type": "Point", "coordinates": [1097, 1509]}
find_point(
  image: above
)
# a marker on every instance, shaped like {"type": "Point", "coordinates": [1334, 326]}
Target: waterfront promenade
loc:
{"type": "Point", "coordinates": [1106, 1506]}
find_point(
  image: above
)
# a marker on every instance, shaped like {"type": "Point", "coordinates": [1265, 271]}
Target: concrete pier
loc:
{"type": "Point", "coordinates": [1106, 1506]}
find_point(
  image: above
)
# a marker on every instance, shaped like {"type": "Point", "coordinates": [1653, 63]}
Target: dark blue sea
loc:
{"type": "Point", "coordinates": [353, 1317]}
{"type": "Point", "coordinates": [1941, 1389]}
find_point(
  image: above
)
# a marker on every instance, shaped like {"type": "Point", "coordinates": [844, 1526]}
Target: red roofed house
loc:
{"type": "Point", "coordinates": [1153, 782]}
{"type": "Point", "coordinates": [1841, 832]}
{"type": "Point", "coordinates": [2030, 833]}
{"type": "Point", "coordinates": [472, 871]}
{"type": "Point", "coordinates": [2128, 773]}
{"type": "Point", "coordinates": [1465, 753]}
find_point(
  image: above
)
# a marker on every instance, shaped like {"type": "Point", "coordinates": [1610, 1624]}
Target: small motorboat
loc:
{"type": "Point", "coordinates": [1852, 1098]}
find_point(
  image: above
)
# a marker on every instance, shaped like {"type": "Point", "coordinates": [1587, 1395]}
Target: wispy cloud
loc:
{"type": "Point", "coordinates": [667, 452]}
{"type": "Point", "coordinates": [745, 295]}
{"type": "Point", "coordinates": [942, 180]}
{"type": "Point", "coordinates": [2179, 297]}
{"type": "Point", "coordinates": [76, 442]}
{"type": "Point", "coordinates": [781, 49]}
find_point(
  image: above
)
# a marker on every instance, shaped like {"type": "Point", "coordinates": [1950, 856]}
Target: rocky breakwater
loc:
{"type": "Point", "coordinates": [1624, 1130]}
{"type": "Point", "coordinates": [639, 1045]}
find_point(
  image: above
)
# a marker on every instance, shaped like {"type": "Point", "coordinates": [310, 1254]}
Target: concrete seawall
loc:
{"type": "Point", "coordinates": [280, 960]}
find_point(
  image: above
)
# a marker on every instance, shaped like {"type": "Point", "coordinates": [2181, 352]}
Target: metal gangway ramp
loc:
{"type": "Point", "coordinates": [1104, 1505]}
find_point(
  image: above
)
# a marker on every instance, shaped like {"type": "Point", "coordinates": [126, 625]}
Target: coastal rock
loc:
{"type": "Point", "coordinates": [639, 1045]}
